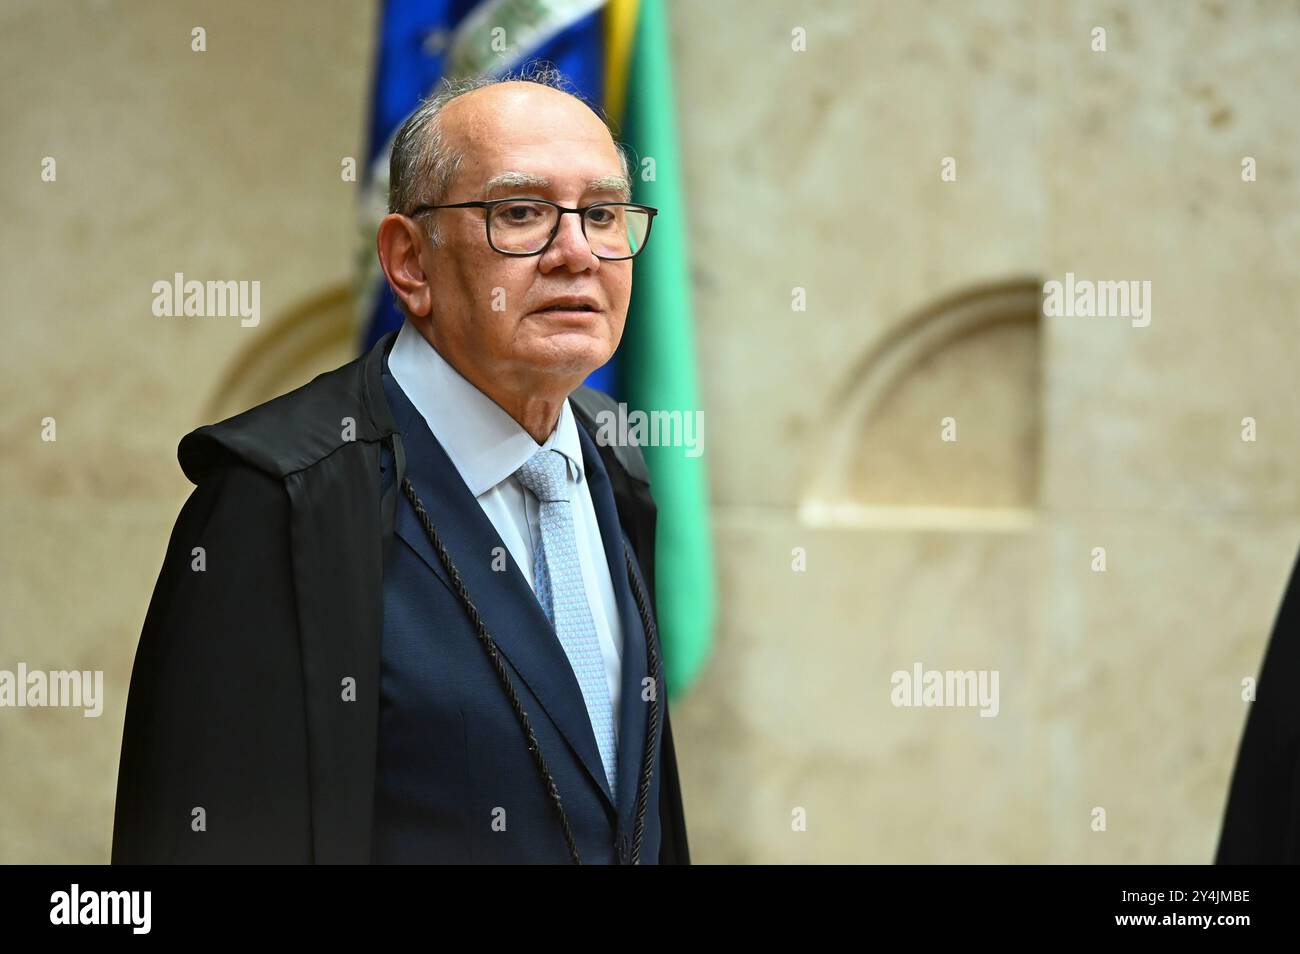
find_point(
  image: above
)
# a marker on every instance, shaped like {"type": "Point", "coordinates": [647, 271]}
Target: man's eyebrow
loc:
{"type": "Point", "coordinates": [507, 181]}
{"type": "Point", "coordinates": [617, 184]}
{"type": "Point", "coordinates": [512, 181]}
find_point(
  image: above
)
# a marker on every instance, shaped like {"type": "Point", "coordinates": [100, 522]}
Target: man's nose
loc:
{"type": "Point", "coordinates": [570, 247]}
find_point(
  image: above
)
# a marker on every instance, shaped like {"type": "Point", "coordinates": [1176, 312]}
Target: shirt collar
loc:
{"type": "Point", "coordinates": [485, 444]}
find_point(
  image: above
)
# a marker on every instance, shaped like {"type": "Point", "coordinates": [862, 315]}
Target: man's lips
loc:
{"type": "Point", "coordinates": [567, 304]}
{"type": "Point", "coordinates": [569, 313]}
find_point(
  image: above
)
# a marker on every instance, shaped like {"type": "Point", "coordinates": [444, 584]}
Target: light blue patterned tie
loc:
{"type": "Point", "coordinates": [557, 577]}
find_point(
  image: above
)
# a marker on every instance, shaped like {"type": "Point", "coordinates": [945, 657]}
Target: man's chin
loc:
{"type": "Point", "coordinates": [571, 353]}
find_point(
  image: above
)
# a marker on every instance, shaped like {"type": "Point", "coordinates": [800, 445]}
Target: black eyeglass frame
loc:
{"type": "Point", "coordinates": [581, 211]}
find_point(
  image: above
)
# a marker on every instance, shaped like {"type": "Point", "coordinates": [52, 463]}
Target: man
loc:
{"type": "Point", "coordinates": [407, 613]}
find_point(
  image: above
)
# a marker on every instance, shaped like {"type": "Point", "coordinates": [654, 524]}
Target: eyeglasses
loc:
{"type": "Point", "coordinates": [615, 230]}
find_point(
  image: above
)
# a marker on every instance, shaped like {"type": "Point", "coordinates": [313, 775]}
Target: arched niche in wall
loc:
{"type": "Point", "coordinates": [966, 367]}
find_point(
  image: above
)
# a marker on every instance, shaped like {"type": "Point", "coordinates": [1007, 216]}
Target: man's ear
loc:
{"type": "Point", "coordinates": [398, 242]}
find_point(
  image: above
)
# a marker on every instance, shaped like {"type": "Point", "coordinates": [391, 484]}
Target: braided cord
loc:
{"type": "Point", "coordinates": [498, 664]}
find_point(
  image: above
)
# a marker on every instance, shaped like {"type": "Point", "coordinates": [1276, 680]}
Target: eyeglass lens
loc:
{"type": "Point", "coordinates": [613, 231]}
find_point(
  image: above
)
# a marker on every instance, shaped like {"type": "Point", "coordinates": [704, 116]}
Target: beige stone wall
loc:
{"type": "Point", "coordinates": [219, 165]}
{"type": "Point", "coordinates": [1118, 690]}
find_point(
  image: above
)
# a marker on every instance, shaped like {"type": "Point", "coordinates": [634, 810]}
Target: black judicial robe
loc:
{"type": "Point", "coordinates": [1262, 822]}
{"type": "Point", "coordinates": [235, 691]}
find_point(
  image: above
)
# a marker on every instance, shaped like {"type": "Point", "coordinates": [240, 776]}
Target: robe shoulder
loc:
{"type": "Point", "coordinates": [291, 432]}
{"type": "Point", "coordinates": [590, 406]}
{"type": "Point", "coordinates": [299, 428]}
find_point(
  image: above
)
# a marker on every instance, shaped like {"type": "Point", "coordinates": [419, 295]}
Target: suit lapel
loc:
{"type": "Point", "coordinates": [632, 711]}
{"type": "Point", "coordinates": [504, 600]}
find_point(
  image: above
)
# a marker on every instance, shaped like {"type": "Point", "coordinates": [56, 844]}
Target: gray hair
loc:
{"type": "Point", "coordinates": [423, 163]}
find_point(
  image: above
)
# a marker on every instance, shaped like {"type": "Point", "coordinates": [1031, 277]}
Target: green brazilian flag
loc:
{"type": "Point", "coordinates": [656, 366]}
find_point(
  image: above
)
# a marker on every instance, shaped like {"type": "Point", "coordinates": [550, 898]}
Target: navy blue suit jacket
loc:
{"type": "Point", "coordinates": [454, 779]}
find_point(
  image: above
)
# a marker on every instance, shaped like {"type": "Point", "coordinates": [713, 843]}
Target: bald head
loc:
{"type": "Point", "coordinates": [466, 122]}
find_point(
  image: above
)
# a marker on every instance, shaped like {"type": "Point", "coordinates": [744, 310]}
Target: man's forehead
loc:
{"type": "Point", "coordinates": [514, 180]}
{"type": "Point", "coordinates": [521, 135]}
